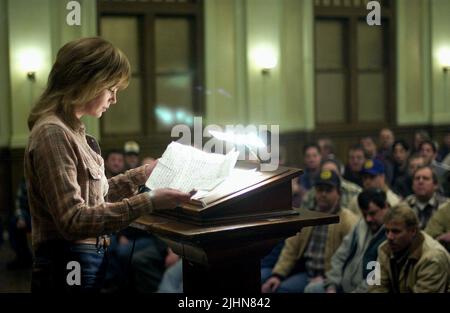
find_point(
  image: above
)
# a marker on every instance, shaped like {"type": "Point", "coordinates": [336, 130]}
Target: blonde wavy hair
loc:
{"type": "Point", "coordinates": [83, 69]}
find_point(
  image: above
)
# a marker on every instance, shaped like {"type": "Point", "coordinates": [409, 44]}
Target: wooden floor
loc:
{"type": "Point", "coordinates": [12, 281]}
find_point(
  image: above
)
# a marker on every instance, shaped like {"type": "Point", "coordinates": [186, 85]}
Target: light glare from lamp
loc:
{"type": "Point", "coordinates": [30, 60]}
{"type": "Point", "coordinates": [444, 57]}
{"type": "Point", "coordinates": [264, 58]}
{"type": "Point", "coordinates": [239, 139]}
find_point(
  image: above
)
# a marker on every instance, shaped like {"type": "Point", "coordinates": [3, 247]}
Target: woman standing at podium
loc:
{"type": "Point", "coordinates": [73, 205]}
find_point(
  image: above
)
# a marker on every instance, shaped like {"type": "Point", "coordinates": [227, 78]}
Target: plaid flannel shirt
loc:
{"type": "Point", "coordinates": [64, 180]}
{"type": "Point", "coordinates": [315, 251]}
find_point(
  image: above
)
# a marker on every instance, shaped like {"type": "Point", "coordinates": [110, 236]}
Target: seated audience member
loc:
{"type": "Point", "coordinates": [373, 177]}
{"type": "Point", "coordinates": [19, 227]}
{"type": "Point", "coordinates": [420, 136]}
{"type": "Point", "coordinates": [428, 151]}
{"type": "Point", "coordinates": [355, 162]}
{"type": "Point", "coordinates": [403, 184]}
{"type": "Point", "coordinates": [425, 200]}
{"type": "Point", "coordinates": [400, 159]}
{"type": "Point", "coordinates": [444, 149]}
{"type": "Point", "coordinates": [438, 226]}
{"type": "Point", "coordinates": [114, 163]}
{"type": "Point", "coordinates": [370, 149]}
{"type": "Point", "coordinates": [326, 149]}
{"type": "Point", "coordinates": [386, 140]}
{"type": "Point", "coordinates": [446, 161]}
{"type": "Point", "coordinates": [348, 190]}
{"type": "Point", "coordinates": [312, 159]}
{"type": "Point", "coordinates": [306, 256]}
{"type": "Point", "coordinates": [131, 150]}
{"type": "Point", "coordinates": [349, 265]}
{"type": "Point", "coordinates": [410, 260]}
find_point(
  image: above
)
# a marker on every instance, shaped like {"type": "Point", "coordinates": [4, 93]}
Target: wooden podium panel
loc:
{"type": "Point", "coordinates": [226, 258]}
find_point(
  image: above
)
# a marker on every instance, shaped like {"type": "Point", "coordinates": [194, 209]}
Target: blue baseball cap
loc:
{"type": "Point", "coordinates": [373, 167]}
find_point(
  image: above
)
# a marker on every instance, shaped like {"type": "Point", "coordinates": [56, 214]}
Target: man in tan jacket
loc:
{"type": "Point", "coordinates": [306, 256]}
{"type": "Point", "coordinates": [438, 226]}
{"type": "Point", "coordinates": [410, 260]}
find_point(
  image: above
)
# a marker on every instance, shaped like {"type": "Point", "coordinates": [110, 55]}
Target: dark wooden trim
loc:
{"type": "Point", "coordinates": [146, 8]}
{"type": "Point", "coordinates": [346, 12]}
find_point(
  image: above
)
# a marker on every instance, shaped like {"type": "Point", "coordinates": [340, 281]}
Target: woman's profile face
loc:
{"type": "Point", "coordinates": [101, 103]}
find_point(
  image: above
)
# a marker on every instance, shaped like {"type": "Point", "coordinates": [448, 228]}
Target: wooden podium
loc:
{"type": "Point", "coordinates": [223, 239]}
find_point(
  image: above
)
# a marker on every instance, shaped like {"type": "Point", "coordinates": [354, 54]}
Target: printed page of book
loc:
{"type": "Point", "coordinates": [186, 168]}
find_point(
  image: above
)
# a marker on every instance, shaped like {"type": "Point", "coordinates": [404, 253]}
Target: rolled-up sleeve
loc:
{"type": "Point", "coordinates": [126, 184]}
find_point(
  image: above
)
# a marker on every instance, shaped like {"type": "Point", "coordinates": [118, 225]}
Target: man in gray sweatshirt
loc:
{"type": "Point", "coordinates": [353, 261]}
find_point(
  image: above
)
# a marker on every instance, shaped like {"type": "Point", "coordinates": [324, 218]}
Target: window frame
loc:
{"type": "Point", "coordinates": [351, 16]}
{"type": "Point", "coordinates": [147, 13]}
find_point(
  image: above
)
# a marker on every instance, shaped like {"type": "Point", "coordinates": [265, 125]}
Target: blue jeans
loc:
{"type": "Point", "coordinates": [266, 272]}
{"type": "Point", "coordinates": [50, 271]}
{"type": "Point", "coordinates": [294, 284]}
{"type": "Point", "coordinates": [317, 287]}
{"type": "Point", "coordinates": [172, 281]}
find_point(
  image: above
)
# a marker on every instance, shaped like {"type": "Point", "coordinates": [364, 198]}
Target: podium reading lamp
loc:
{"type": "Point", "coordinates": [251, 141]}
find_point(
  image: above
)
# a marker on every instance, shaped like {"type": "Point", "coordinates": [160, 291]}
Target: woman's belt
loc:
{"type": "Point", "coordinates": [103, 241]}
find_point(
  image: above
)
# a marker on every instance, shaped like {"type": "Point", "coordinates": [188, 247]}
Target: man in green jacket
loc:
{"type": "Point", "coordinates": [410, 260]}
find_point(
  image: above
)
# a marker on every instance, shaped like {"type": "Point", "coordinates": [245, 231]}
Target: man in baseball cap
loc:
{"type": "Point", "coordinates": [373, 176]}
{"type": "Point", "coordinates": [328, 191]}
{"type": "Point", "coordinates": [373, 167]}
{"type": "Point", "coordinates": [131, 151]}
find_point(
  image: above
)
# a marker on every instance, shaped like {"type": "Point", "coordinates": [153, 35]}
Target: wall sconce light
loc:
{"type": "Point", "coordinates": [444, 59]}
{"type": "Point", "coordinates": [265, 59]}
{"type": "Point", "coordinates": [30, 63]}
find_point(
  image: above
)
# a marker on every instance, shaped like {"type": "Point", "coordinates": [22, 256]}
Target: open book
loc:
{"type": "Point", "coordinates": [186, 168]}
